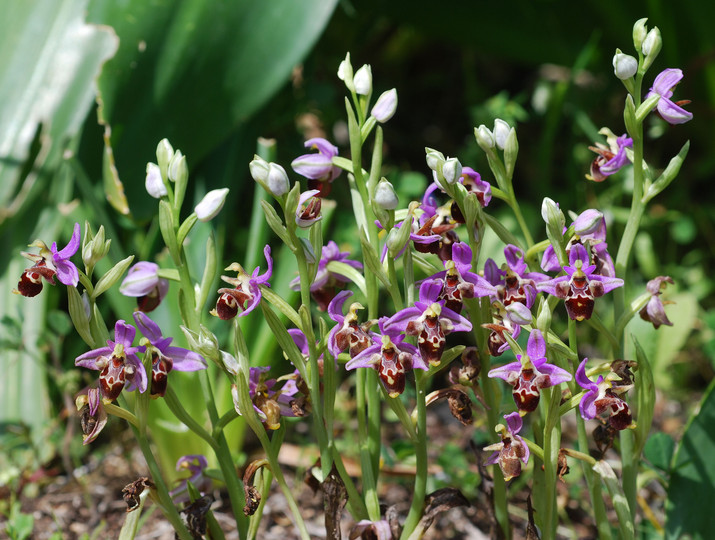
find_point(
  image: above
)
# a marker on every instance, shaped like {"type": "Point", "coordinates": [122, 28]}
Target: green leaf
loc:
{"type": "Point", "coordinates": [659, 450]}
{"type": "Point", "coordinates": [372, 261]}
{"type": "Point", "coordinates": [692, 480]}
{"type": "Point", "coordinates": [645, 390]}
{"type": "Point", "coordinates": [668, 175]}
{"type": "Point", "coordinates": [275, 223]}
{"type": "Point", "coordinates": [501, 231]}
{"type": "Point", "coordinates": [194, 71]}
{"type": "Point", "coordinates": [620, 504]}
{"type": "Point", "coordinates": [349, 272]}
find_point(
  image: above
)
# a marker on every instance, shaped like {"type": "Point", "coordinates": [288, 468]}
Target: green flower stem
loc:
{"type": "Point", "coordinates": [394, 289]}
{"type": "Point", "coordinates": [480, 312]}
{"type": "Point", "coordinates": [628, 459]}
{"type": "Point", "coordinates": [514, 205]}
{"type": "Point", "coordinates": [398, 407]}
{"type": "Point", "coordinates": [369, 480]}
{"type": "Point", "coordinates": [167, 505]}
{"type": "Point", "coordinates": [174, 403]}
{"type": "Point", "coordinates": [226, 419]}
{"type": "Point", "coordinates": [597, 324]}
{"type": "Point", "coordinates": [593, 482]}
{"type": "Point", "coordinates": [552, 445]}
{"type": "Point", "coordinates": [420, 486]}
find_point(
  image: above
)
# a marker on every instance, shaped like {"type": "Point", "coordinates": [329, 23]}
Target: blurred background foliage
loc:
{"type": "Point", "coordinates": [76, 133]}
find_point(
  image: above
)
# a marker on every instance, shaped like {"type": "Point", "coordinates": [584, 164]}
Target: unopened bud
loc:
{"type": "Point", "coordinates": [519, 313]}
{"type": "Point", "coordinates": [164, 153]}
{"type": "Point", "coordinates": [552, 214]}
{"type": "Point", "coordinates": [385, 196]}
{"type": "Point", "coordinates": [94, 248]}
{"type": "Point", "coordinates": [385, 106]}
{"type": "Point", "coordinates": [485, 138]}
{"type": "Point", "coordinates": [178, 171]}
{"type": "Point", "coordinates": [624, 65]}
{"type": "Point", "coordinates": [640, 31]}
{"type": "Point", "coordinates": [452, 170]}
{"type": "Point", "coordinates": [543, 317]}
{"type": "Point", "coordinates": [345, 72]}
{"type": "Point", "coordinates": [277, 183]}
{"type": "Point", "coordinates": [211, 204]}
{"type": "Point", "coordinates": [154, 183]}
{"type": "Point", "coordinates": [651, 46]}
{"type": "Point", "coordinates": [363, 80]}
{"type": "Point", "coordinates": [588, 222]}
{"type": "Point", "coordinates": [501, 133]}
{"type": "Point", "coordinates": [435, 159]}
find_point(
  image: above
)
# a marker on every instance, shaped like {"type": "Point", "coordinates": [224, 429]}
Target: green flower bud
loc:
{"type": "Point", "coordinates": [164, 153]}
{"type": "Point", "coordinates": [640, 30]}
{"type": "Point", "coordinates": [94, 248]}
{"type": "Point", "coordinates": [485, 138]}
{"type": "Point", "coordinates": [178, 170]}
{"type": "Point", "coordinates": [543, 317]}
{"type": "Point", "coordinates": [452, 170]}
{"type": "Point", "coordinates": [651, 46]}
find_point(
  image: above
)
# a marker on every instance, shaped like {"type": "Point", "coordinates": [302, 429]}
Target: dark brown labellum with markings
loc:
{"type": "Point", "coordinates": [113, 378]}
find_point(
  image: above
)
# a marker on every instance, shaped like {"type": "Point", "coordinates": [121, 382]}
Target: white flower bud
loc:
{"type": "Point", "coordinates": [154, 184]}
{"type": "Point", "coordinates": [259, 169]}
{"type": "Point", "coordinates": [485, 138]}
{"type": "Point", "coordinates": [519, 313]}
{"type": "Point", "coordinates": [363, 80]}
{"type": "Point", "coordinates": [452, 170]}
{"type": "Point", "coordinates": [640, 30]}
{"type": "Point", "coordinates": [277, 182]}
{"type": "Point", "coordinates": [624, 65]}
{"type": "Point", "coordinates": [385, 106]}
{"type": "Point", "coordinates": [211, 204]}
{"type": "Point", "coordinates": [178, 170]}
{"type": "Point", "coordinates": [435, 159]}
{"type": "Point", "coordinates": [345, 72]}
{"type": "Point", "coordinates": [385, 196]}
{"type": "Point", "coordinates": [552, 214]}
{"type": "Point", "coordinates": [164, 153]}
{"type": "Point", "coordinates": [501, 132]}
{"type": "Point", "coordinates": [652, 42]}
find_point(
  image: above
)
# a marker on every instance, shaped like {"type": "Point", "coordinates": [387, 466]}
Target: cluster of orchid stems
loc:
{"type": "Point", "coordinates": [448, 308]}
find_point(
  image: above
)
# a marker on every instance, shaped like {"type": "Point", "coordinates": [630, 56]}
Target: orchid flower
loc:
{"type": "Point", "coordinates": [457, 278]}
{"type": "Point", "coordinates": [164, 357]}
{"type": "Point", "coordinates": [117, 363]}
{"type": "Point", "coordinates": [391, 357]}
{"type": "Point", "coordinates": [347, 333]}
{"type": "Point", "coordinates": [94, 417]}
{"type": "Point", "coordinates": [269, 402]}
{"type": "Point", "coordinates": [581, 286]}
{"type": "Point", "coordinates": [323, 287]}
{"type": "Point", "coordinates": [318, 168]}
{"type": "Point", "coordinates": [50, 262]}
{"type": "Point", "coordinates": [654, 310]}
{"type": "Point", "coordinates": [512, 451]}
{"type": "Point", "coordinates": [143, 281]}
{"type": "Point", "coordinates": [611, 159]}
{"type": "Point", "coordinates": [663, 86]}
{"type": "Point", "coordinates": [247, 291]}
{"type": "Point", "coordinates": [601, 399]}
{"type": "Point", "coordinates": [430, 321]}
{"type": "Point", "coordinates": [530, 374]}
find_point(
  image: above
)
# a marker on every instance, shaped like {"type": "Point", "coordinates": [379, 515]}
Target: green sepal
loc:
{"type": "Point", "coordinates": [646, 107]}
{"type": "Point", "coordinates": [343, 163]}
{"type": "Point", "coordinates": [349, 272]}
{"type": "Point", "coordinates": [645, 391]}
{"type": "Point", "coordinates": [169, 273]}
{"type": "Point", "coordinates": [511, 151]}
{"type": "Point", "coordinates": [291, 204]}
{"type": "Point", "coordinates": [284, 307]}
{"type": "Point", "coordinates": [629, 116]}
{"type": "Point", "coordinates": [79, 316]}
{"type": "Point", "coordinates": [112, 276]}
{"type": "Point", "coordinates": [372, 261]}
{"type": "Point", "coordinates": [209, 272]}
{"type": "Point", "coordinates": [275, 223]}
{"type": "Point", "coordinates": [166, 225]}
{"type": "Point", "coordinates": [185, 228]}
{"type": "Point", "coordinates": [668, 175]}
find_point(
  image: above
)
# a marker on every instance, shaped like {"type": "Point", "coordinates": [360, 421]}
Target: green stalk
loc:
{"type": "Point", "coordinates": [593, 482]}
{"type": "Point", "coordinates": [420, 486]}
{"type": "Point", "coordinates": [552, 445]}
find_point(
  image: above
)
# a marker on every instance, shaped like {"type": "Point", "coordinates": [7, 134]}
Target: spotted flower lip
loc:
{"type": "Point", "coordinates": [318, 166]}
{"type": "Point", "coordinates": [390, 357]}
{"type": "Point", "coordinates": [118, 363]}
{"type": "Point", "coordinates": [165, 358]}
{"type": "Point", "coordinates": [430, 321]}
{"type": "Point", "coordinates": [663, 86]}
{"type": "Point", "coordinates": [601, 399]}
{"type": "Point", "coordinates": [50, 262]}
{"type": "Point", "coordinates": [94, 417]}
{"type": "Point", "coordinates": [512, 451]}
{"type": "Point", "coordinates": [246, 293]}
{"type": "Point", "coordinates": [531, 373]}
{"type": "Point", "coordinates": [347, 333]}
{"type": "Point", "coordinates": [581, 284]}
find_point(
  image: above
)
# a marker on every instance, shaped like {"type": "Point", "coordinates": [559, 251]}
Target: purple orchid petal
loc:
{"type": "Point", "coordinates": [430, 291]}
{"type": "Point", "coordinates": [507, 372]}
{"type": "Point", "coordinates": [609, 283]}
{"type": "Point", "coordinates": [335, 308]}
{"type": "Point", "coordinates": [141, 279]}
{"type": "Point", "coordinates": [492, 273]}
{"type": "Point", "coordinates": [89, 359]}
{"type": "Point", "coordinates": [515, 259]}
{"type": "Point", "coordinates": [459, 323]}
{"type": "Point", "coordinates": [147, 327]}
{"type": "Point", "coordinates": [184, 359]}
{"type": "Point", "coordinates": [462, 257]}
{"type": "Point", "coordinates": [299, 339]}
{"type": "Point", "coordinates": [399, 321]}
{"type": "Point", "coordinates": [139, 380]}
{"type": "Point", "coordinates": [124, 333]}
{"type": "Point", "coordinates": [663, 86]}
{"type": "Point", "coordinates": [366, 359]}
{"type": "Point", "coordinates": [555, 373]}
{"type": "Point", "coordinates": [536, 346]}
{"type": "Point", "coordinates": [70, 249]}
{"type": "Point", "coordinates": [263, 278]}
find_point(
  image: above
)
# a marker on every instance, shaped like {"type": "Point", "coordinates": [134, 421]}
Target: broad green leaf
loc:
{"type": "Point", "coordinates": [692, 480]}
{"type": "Point", "coordinates": [193, 71]}
{"type": "Point", "coordinates": [659, 450]}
